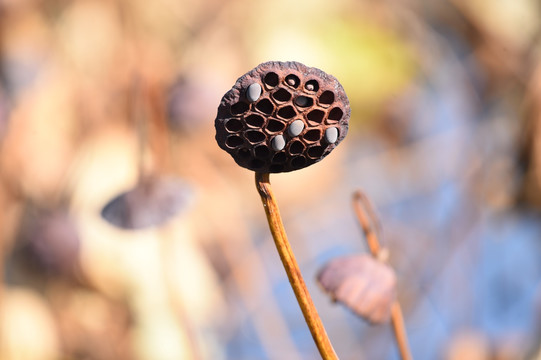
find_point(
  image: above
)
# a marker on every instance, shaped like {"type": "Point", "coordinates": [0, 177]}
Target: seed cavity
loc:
{"type": "Point", "coordinates": [312, 135]}
{"type": "Point", "coordinates": [295, 128]}
{"type": "Point", "coordinates": [335, 114]}
{"type": "Point", "coordinates": [281, 95]}
{"type": "Point", "coordinates": [304, 101]}
{"type": "Point", "coordinates": [262, 152]}
{"type": "Point", "coordinates": [233, 125]}
{"type": "Point", "coordinates": [254, 120]}
{"type": "Point", "coordinates": [279, 158]}
{"type": "Point", "coordinates": [254, 136]}
{"type": "Point", "coordinates": [278, 143]}
{"type": "Point", "coordinates": [287, 112]}
{"type": "Point", "coordinates": [331, 135]}
{"type": "Point", "coordinates": [296, 147]}
{"type": "Point", "coordinates": [312, 85]}
{"type": "Point", "coordinates": [271, 79]}
{"type": "Point", "coordinates": [239, 108]}
{"type": "Point", "coordinates": [234, 141]}
{"type": "Point", "coordinates": [298, 161]}
{"type": "Point", "coordinates": [275, 126]}
{"type": "Point", "coordinates": [315, 152]}
{"type": "Point", "coordinates": [316, 116]}
{"type": "Point", "coordinates": [292, 80]}
{"type": "Point", "coordinates": [326, 98]}
{"type": "Point", "coordinates": [265, 106]}
{"type": "Point", "coordinates": [253, 92]}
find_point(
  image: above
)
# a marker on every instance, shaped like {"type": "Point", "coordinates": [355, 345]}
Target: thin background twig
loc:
{"type": "Point", "coordinates": [367, 218]}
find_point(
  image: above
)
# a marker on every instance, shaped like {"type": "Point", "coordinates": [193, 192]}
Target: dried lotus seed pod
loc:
{"type": "Point", "coordinates": [282, 116]}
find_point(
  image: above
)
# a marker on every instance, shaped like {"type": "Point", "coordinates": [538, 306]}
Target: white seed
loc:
{"type": "Point", "coordinates": [253, 92]}
{"type": "Point", "coordinates": [291, 81]}
{"type": "Point", "coordinates": [310, 87]}
{"type": "Point", "coordinates": [331, 135]}
{"type": "Point", "coordinates": [278, 143]}
{"type": "Point", "coordinates": [295, 128]}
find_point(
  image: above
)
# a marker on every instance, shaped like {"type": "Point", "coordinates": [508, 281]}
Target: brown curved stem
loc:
{"type": "Point", "coordinates": [400, 331]}
{"type": "Point", "coordinates": [367, 220]}
{"type": "Point", "coordinates": [292, 268]}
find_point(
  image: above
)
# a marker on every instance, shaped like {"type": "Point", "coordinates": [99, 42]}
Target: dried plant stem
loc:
{"type": "Point", "coordinates": [292, 268]}
{"type": "Point", "coordinates": [367, 218]}
{"type": "Point", "coordinates": [400, 331]}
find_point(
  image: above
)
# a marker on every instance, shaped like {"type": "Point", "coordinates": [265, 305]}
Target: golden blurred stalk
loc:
{"type": "Point", "coordinates": [292, 268]}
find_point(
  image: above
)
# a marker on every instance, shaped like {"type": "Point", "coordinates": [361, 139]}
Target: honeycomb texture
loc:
{"type": "Point", "coordinates": [282, 116]}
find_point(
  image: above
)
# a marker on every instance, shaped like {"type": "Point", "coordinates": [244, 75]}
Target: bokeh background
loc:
{"type": "Point", "coordinates": [126, 233]}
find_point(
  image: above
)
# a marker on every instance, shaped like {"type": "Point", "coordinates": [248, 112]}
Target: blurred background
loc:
{"type": "Point", "coordinates": [126, 233]}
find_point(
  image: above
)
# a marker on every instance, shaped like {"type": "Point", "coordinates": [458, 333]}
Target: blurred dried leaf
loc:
{"type": "Point", "coordinates": [364, 285]}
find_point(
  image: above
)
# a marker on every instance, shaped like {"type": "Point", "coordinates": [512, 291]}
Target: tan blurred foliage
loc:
{"type": "Point", "coordinates": [28, 328]}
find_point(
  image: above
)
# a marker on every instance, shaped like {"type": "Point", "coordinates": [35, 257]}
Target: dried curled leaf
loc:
{"type": "Point", "coordinates": [364, 285]}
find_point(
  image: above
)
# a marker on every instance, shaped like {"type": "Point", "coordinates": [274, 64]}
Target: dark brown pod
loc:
{"type": "Point", "coordinates": [282, 116]}
{"type": "Point", "coordinates": [48, 245]}
{"type": "Point", "coordinates": [154, 201]}
{"type": "Point", "coordinates": [364, 285]}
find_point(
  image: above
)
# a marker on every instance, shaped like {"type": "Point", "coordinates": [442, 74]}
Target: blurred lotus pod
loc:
{"type": "Point", "coordinates": [48, 243]}
{"type": "Point", "coordinates": [364, 285]}
{"type": "Point", "coordinates": [151, 203]}
{"type": "Point", "coordinates": [282, 116]}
